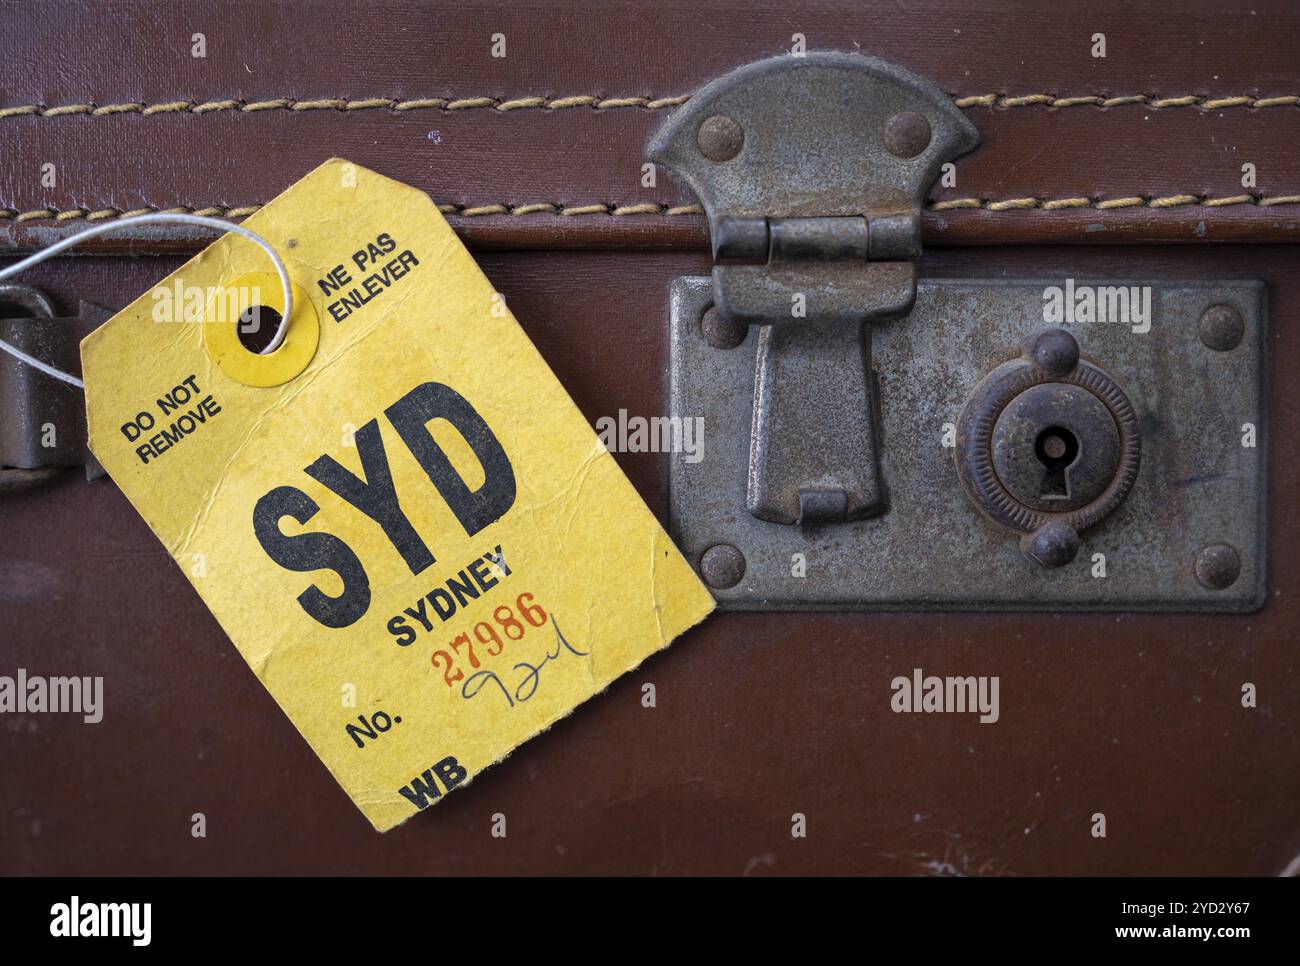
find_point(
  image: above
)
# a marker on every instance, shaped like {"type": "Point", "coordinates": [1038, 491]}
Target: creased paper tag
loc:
{"type": "Point", "coordinates": [400, 517]}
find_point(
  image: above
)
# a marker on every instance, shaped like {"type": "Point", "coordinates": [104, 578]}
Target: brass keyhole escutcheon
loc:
{"type": "Point", "coordinates": [1048, 446]}
{"type": "Point", "coordinates": [1055, 447]}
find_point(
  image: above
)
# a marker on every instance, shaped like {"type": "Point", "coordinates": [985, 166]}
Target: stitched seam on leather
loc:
{"type": "Point", "coordinates": [500, 105]}
{"type": "Point", "coordinates": [464, 211]}
{"type": "Point", "coordinates": [1109, 204]}
{"type": "Point", "coordinates": [506, 105]}
{"type": "Point", "coordinates": [1146, 100]}
{"type": "Point", "coordinates": [621, 211]}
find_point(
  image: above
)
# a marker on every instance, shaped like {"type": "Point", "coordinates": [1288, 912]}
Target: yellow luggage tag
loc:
{"type": "Point", "coordinates": [399, 516]}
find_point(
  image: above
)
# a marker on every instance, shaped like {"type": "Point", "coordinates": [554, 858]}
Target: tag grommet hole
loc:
{"type": "Point", "coordinates": [236, 338]}
{"type": "Point", "coordinates": [257, 327]}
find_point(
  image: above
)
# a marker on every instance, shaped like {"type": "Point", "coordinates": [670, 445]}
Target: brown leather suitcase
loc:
{"type": "Point", "coordinates": [1165, 702]}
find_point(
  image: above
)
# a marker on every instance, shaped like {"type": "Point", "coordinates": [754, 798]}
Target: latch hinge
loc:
{"type": "Point", "coordinates": [822, 239]}
{"type": "Point", "coordinates": [813, 171]}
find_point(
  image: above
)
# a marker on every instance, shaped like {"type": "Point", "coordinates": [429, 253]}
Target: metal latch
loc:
{"type": "Point", "coordinates": [43, 424]}
{"type": "Point", "coordinates": [813, 171]}
{"type": "Point", "coordinates": [998, 433]}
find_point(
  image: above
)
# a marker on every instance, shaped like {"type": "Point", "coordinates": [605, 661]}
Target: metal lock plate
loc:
{"type": "Point", "coordinates": [836, 390]}
{"type": "Point", "coordinates": [1198, 487]}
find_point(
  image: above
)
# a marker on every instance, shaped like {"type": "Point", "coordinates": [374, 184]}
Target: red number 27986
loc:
{"type": "Point", "coordinates": [505, 626]}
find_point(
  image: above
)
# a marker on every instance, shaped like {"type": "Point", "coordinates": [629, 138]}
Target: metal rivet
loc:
{"type": "Point", "coordinates": [722, 566]}
{"type": "Point", "coordinates": [1218, 566]}
{"type": "Point", "coordinates": [1055, 352]}
{"type": "Point", "coordinates": [721, 332]}
{"type": "Point", "coordinates": [1052, 545]}
{"type": "Point", "coordinates": [1222, 328]}
{"type": "Point", "coordinates": [720, 138]}
{"type": "Point", "coordinates": [907, 134]}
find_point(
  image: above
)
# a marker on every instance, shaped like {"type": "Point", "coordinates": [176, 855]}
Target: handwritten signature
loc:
{"type": "Point", "coordinates": [527, 686]}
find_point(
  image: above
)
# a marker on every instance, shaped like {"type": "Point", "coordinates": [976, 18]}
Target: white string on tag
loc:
{"type": "Point", "coordinates": [276, 341]}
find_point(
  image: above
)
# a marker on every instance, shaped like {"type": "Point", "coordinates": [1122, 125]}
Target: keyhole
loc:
{"type": "Point", "coordinates": [1057, 449]}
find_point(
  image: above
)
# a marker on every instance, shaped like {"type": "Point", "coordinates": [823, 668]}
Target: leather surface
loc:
{"type": "Point", "coordinates": [758, 716]}
{"type": "Point", "coordinates": [259, 52]}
